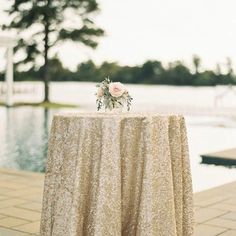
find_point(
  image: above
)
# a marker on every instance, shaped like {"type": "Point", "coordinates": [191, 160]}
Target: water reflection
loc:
{"type": "Point", "coordinates": [24, 135]}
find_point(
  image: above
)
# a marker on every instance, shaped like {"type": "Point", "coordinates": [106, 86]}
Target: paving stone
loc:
{"type": "Point", "coordinates": [228, 190]}
{"type": "Point", "coordinates": [207, 230]}
{"type": "Point", "coordinates": [224, 206]}
{"type": "Point", "coordinates": [29, 228]}
{"type": "Point", "coordinates": [229, 224]}
{"type": "Point", "coordinates": [11, 185]}
{"type": "Point", "coordinates": [34, 198]}
{"type": "Point", "coordinates": [35, 206]}
{"type": "Point", "coordinates": [10, 232]}
{"type": "Point", "coordinates": [29, 182]}
{"type": "Point", "coordinates": [21, 213]}
{"type": "Point", "coordinates": [231, 201]}
{"type": "Point", "coordinates": [24, 192]}
{"type": "Point", "coordinates": [3, 197]}
{"type": "Point", "coordinates": [205, 214]}
{"type": "Point", "coordinates": [210, 200]}
{"type": "Point", "coordinates": [10, 221]}
{"type": "Point", "coordinates": [6, 177]}
{"type": "Point", "coordinates": [3, 190]}
{"type": "Point", "coordinates": [230, 216]}
{"type": "Point", "coordinates": [229, 233]}
{"type": "Point", "coordinates": [11, 202]}
{"type": "Point", "coordinates": [21, 173]}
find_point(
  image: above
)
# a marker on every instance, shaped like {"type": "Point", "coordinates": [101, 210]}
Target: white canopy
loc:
{"type": "Point", "coordinates": [8, 43]}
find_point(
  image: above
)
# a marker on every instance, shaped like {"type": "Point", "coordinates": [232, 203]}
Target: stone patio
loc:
{"type": "Point", "coordinates": [21, 199]}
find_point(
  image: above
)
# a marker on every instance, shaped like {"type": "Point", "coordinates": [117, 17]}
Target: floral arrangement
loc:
{"type": "Point", "coordinates": [112, 95]}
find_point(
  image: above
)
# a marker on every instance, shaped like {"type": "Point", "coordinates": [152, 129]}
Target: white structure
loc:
{"type": "Point", "coordinates": [8, 43]}
{"type": "Point", "coordinates": [226, 96]}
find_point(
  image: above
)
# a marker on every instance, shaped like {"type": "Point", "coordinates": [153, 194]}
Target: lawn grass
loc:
{"type": "Point", "coordinates": [51, 105]}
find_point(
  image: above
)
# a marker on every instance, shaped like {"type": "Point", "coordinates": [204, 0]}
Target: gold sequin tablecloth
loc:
{"type": "Point", "coordinates": [117, 175]}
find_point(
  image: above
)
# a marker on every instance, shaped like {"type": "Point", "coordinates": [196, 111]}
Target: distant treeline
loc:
{"type": "Point", "coordinates": [151, 72]}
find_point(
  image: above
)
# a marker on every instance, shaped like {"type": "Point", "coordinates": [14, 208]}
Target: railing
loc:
{"type": "Point", "coordinates": [228, 90]}
{"type": "Point", "coordinates": [18, 89]}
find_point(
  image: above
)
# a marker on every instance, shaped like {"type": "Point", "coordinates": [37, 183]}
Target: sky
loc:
{"type": "Point", "coordinates": [166, 30]}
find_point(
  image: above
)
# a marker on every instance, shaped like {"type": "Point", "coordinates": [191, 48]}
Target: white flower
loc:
{"type": "Point", "coordinates": [116, 89]}
{"type": "Point", "coordinates": [100, 92]}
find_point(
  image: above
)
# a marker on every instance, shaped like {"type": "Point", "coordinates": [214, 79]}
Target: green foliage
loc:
{"type": "Point", "coordinates": [45, 23]}
{"type": "Point", "coordinates": [196, 63]}
{"type": "Point", "coordinates": [86, 71]}
{"type": "Point", "coordinates": [178, 74]}
{"type": "Point", "coordinates": [1, 76]}
{"type": "Point", "coordinates": [151, 72]}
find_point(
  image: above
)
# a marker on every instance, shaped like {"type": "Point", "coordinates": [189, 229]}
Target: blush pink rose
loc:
{"type": "Point", "coordinates": [100, 92]}
{"type": "Point", "coordinates": [116, 89]}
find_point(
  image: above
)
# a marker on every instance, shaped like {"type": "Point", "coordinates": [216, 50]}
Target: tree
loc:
{"type": "Point", "coordinates": [178, 74]}
{"type": "Point", "coordinates": [196, 63]}
{"type": "Point", "coordinates": [56, 70]}
{"type": "Point", "coordinates": [151, 72]}
{"type": "Point", "coordinates": [229, 65]}
{"type": "Point", "coordinates": [48, 22]}
{"type": "Point", "coordinates": [87, 71]}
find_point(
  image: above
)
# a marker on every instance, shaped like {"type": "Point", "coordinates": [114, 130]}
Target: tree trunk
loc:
{"type": "Point", "coordinates": [46, 82]}
{"type": "Point", "coordinates": [46, 78]}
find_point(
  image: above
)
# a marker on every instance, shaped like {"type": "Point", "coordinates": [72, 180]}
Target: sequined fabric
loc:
{"type": "Point", "coordinates": [122, 174]}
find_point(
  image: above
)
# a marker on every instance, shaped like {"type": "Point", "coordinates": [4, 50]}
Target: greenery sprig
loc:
{"type": "Point", "coordinates": [112, 95]}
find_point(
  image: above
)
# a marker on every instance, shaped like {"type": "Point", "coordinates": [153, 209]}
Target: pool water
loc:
{"type": "Point", "coordinates": [24, 133]}
{"type": "Point", "coordinates": [23, 138]}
